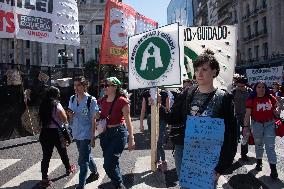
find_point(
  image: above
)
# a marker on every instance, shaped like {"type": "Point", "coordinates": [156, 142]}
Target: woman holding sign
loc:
{"type": "Point", "coordinates": [205, 101]}
{"type": "Point", "coordinates": [261, 108]}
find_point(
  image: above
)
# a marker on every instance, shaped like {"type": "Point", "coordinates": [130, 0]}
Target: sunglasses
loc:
{"type": "Point", "coordinates": [107, 85]}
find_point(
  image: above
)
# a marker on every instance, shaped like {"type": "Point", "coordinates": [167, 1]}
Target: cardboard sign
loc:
{"type": "Point", "coordinates": [154, 58]}
{"type": "Point", "coordinates": [222, 40]}
{"type": "Point", "coordinates": [203, 140]}
{"type": "Point", "coordinates": [268, 75]}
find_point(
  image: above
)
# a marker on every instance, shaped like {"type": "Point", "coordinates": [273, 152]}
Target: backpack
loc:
{"type": "Point", "coordinates": [89, 100]}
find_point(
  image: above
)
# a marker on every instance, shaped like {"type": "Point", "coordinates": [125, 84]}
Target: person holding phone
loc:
{"type": "Point", "coordinates": [82, 112]}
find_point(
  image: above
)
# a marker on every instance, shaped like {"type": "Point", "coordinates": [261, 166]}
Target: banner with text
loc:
{"type": "Point", "coordinates": [155, 56]}
{"type": "Point", "coordinates": [222, 40]}
{"type": "Point", "coordinates": [203, 140]}
{"type": "Point", "coordinates": [268, 75]}
{"type": "Point", "coordinates": [121, 21]}
{"type": "Point", "coordinates": [48, 21]}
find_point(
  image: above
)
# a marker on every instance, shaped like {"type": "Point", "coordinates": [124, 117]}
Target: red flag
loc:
{"type": "Point", "coordinates": [121, 21]}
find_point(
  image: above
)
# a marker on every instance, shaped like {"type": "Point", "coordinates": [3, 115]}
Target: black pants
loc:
{"type": "Point", "coordinates": [48, 139]}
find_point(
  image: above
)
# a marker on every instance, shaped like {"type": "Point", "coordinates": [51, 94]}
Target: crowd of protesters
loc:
{"type": "Point", "coordinates": [246, 110]}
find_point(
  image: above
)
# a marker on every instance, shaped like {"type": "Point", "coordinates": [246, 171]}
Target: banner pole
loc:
{"type": "Point", "coordinates": [154, 130]}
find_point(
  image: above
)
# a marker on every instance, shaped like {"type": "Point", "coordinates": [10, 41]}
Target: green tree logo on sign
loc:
{"type": "Point", "coordinates": [153, 58]}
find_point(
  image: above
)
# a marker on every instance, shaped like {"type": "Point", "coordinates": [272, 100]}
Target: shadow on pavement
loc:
{"type": "Point", "coordinates": [245, 181]}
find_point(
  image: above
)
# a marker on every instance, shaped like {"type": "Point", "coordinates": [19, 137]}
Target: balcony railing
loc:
{"type": "Point", "coordinates": [254, 12]}
{"type": "Point", "coordinates": [255, 35]}
{"type": "Point", "coordinates": [275, 59]}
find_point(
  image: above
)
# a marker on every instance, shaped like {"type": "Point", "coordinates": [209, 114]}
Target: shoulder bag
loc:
{"type": "Point", "coordinates": [102, 123]}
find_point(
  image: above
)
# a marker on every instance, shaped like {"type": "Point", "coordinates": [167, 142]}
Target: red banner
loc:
{"type": "Point", "coordinates": [121, 21]}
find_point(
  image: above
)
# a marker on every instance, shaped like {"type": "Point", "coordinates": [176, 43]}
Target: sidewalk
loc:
{"type": "Point", "coordinates": [21, 141]}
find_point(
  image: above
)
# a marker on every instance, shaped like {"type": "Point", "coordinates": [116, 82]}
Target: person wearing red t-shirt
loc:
{"type": "Point", "coordinates": [261, 107]}
{"type": "Point", "coordinates": [116, 109]}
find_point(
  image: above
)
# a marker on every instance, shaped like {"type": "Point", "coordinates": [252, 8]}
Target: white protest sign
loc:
{"type": "Point", "coordinates": [268, 75]}
{"type": "Point", "coordinates": [203, 140]}
{"type": "Point", "coordinates": [52, 21]}
{"type": "Point", "coordinates": [222, 40]}
{"type": "Point", "coordinates": [154, 57]}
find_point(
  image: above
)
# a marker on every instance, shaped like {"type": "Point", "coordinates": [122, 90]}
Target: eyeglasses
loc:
{"type": "Point", "coordinates": [107, 85]}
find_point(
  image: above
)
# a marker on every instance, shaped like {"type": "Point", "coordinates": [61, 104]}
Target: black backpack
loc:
{"type": "Point", "coordinates": [89, 100]}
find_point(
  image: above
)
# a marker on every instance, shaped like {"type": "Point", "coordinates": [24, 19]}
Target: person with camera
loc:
{"type": "Point", "coordinates": [82, 111]}
{"type": "Point", "coordinates": [52, 114]}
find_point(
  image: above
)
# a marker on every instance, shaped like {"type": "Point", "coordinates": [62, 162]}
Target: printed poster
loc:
{"type": "Point", "coordinates": [121, 21]}
{"type": "Point", "coordinates": [48, 21]}
{"type": "Point", "coordinates": [154, 58]}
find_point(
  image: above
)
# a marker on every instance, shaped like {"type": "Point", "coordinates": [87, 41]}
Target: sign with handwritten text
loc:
{"type": "Point", "coordinates": [268, 75]}
{"type": "Point", "coordinates": [204, 138]}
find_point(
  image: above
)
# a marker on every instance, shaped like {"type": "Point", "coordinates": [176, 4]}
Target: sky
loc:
{"type": "Point", "coordinates": [154, 9]}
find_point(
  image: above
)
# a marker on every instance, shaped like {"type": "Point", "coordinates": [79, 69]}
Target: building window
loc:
{"type": "Point", "coordinates": [265, 50]}
{"type": "Point", "coordinates": [236, 16]}
{"type": "Point", "coordinates": [264, 24]}
{"type": "Point", "coordinates": [256, 27]}
{"type": "Point", "coordinates": [102, 1]}
{"type": "Point", "coordinates": [264, 3]}
{"type": "Point", "coordinates": [12, 44]}
{"type": "Point", "coordinates": [249, 54]}
{"type": "Point", "coordinates": [255, 4]}
{"type": "Point", "coordinates": [28, 62]}
{"type": "Point", "coordinates": [27, 44]}
{"type": "Point", "coordinates": [80, 57]}
{"type": "Point", "coordinates": [97, 54]}
{"type": "Point", "coordinates": [81, 29]}
{"type": "Point", "coordinates": [248, 9]}
{"type": "Point", "coordinates": [99, 29]}
{"type": "Point", "coordinates": [82, 2]}
{"type": "Point", "coordinates": [256, 49]}
{"type": "Point", "coordinates": [249, 31]}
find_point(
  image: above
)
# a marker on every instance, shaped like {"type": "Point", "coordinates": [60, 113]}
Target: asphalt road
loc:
{"type": "Point", "coordinates": [20, 167]}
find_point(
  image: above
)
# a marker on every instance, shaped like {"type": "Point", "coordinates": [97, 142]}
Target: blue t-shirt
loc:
{"type": "Point", "coordinates": [81, 124]}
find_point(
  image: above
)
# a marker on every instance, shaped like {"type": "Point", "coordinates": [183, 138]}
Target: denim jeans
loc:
{"type": "Point", "coordinates": [149, 122]}
{"type": "Point", "coordinates": [240, 124]}
{"type": "Point", "coordinates": [113, 141]}
{"type": "Point", "coordinates": [85, 160]}
{"type": "Point", "coordinates": [160, 143]}
{"type": "Point", "coordinates": [264, 134]}
{"type": "Point", "coordinates": [178, 153]}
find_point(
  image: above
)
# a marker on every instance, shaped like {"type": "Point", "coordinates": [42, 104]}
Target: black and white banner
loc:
{"type": "Point", "coordinates": [49, 21]}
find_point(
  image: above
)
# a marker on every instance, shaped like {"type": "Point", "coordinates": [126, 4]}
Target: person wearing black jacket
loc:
{"type": "Point", "coordinates": [220, 105]}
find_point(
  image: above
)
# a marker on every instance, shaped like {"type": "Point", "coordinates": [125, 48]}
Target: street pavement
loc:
{"type": "Point", "coordinates": [20, 167]}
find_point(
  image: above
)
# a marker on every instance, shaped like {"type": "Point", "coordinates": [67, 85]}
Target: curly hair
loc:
{"type": "Point", "coordinates": [207, 57]}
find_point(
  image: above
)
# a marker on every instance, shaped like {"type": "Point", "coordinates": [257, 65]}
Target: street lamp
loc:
{"type": "Point", "coordinates": [64, 58]}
